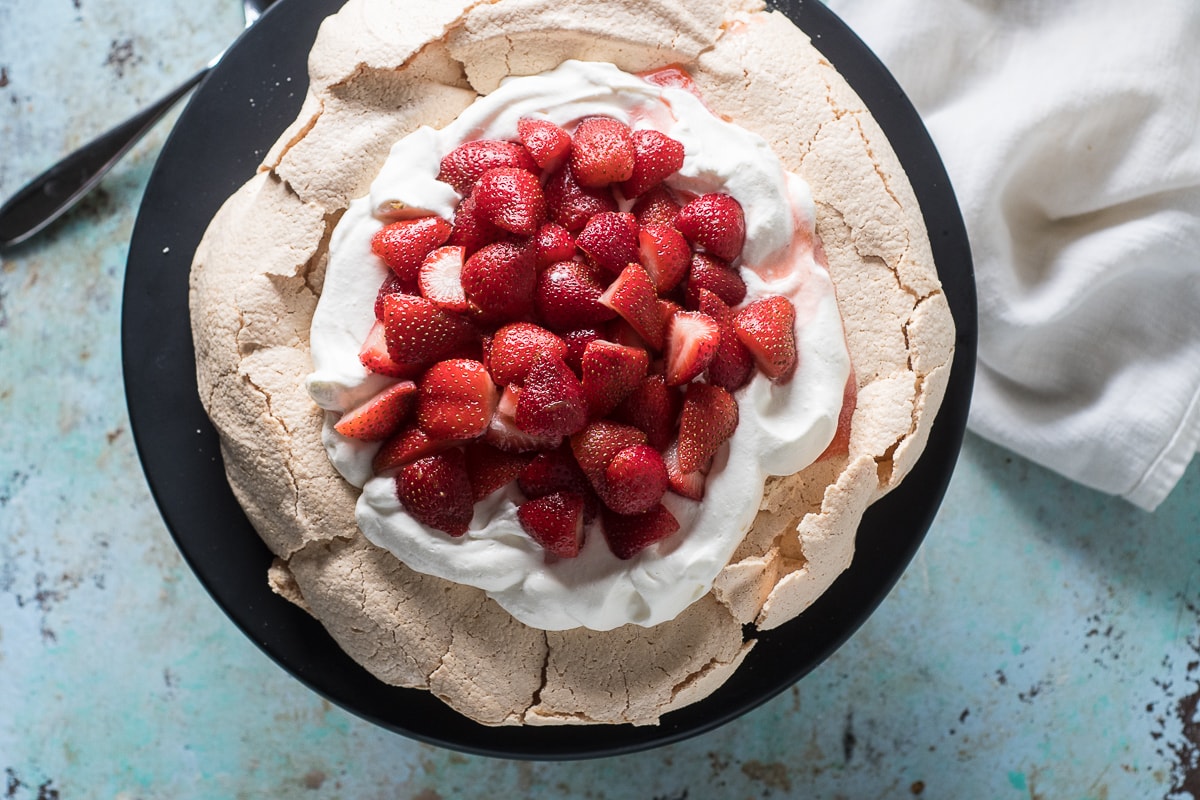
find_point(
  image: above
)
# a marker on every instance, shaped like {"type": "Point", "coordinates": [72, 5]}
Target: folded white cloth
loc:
{"type": "Point", "coordinates": [1071, 133]}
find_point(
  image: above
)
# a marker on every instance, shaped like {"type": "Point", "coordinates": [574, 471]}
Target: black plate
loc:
{"type": "Point", "coordinates": [218, 142]}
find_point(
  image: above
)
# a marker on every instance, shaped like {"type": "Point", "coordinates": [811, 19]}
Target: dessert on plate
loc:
{"type": "Point", "coordinates": [555, 344]}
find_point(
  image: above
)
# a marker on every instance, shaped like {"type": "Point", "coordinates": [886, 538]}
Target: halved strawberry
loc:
{"type": "Point", "coordinates": [554, 243]}
{"type": "Point", "coordinates": [391, 285]}
{"type": "Point", "coordinates": [490, 468]}
{"type": "Point", "coordinates": [456, 399]}
{"type": "Point", "coordinates": [516, 346]}
{"type": "Point", "coordinates": [657, 206]}
{"type": "Point", "coordinates": [610, 240]}
{"type": "Point", "coordinates": [732, 366]}
{"type": "Point", "coordinates": [436, 491]}
{"type": "Point", "coordinates": [463, 165]}
{"type": "Point", "coordinates": [552, 471]}
{"type": "Point", "coordinates": [572, 205]}
{"type": "Point", "coordinates": [714, 221]}
{"type": "Point", "coordinates": [567, 296]}
{"type": "Point", "coordinates": [628, 535]}
{"type": "Point", "coordinates": [471, 229]}
{"type": "Point", "coordinates": [840, 445]}
{"type": "Point", "coordinates": [381, 416]}
{"type": "Point", "coordinates": [440, 278]}
{"type": "Point", "coordinates": [577, 341]}
{"type": "Point", "coordinates": [555, 522]}
{"type": "Point", "coordinates": [610, 373]}
{"type": "Point", "coordinates": [374, 356]}
{"type": "Point", "coordinates": [404, 244]}
{"type": "Point", "coordinates": [511, 199]}
{"type": "Point", "coordinates": [635, 480]}
{"type": "Point", "coordinates": [671, 76]}
{"type": "Point", "coordinates": [656, 156]}
{"type": "Point", "coordinates": [692, 340]}
{"type": "Point", "coordinates": [546, 142]}
{"type": "Point", "coordinates": [767, 327]}
{"type": "Point", "coordinates": [602, 151]}
{"type": "Point", "coordinates": [711, 273]}
{"type": "Point", "coordinates": [665, 254]}
{"type": "Point", "coordinates": [684, 484]}
{"type": "Point", "coordinates": [499, 279]}
{"type": "Point", "coordinates": [417, 331]}
{"type": "Point", "coordinates": [652, 407]}
{"type": "Point", "coordinates": [632, 296]}
{"type": "Point", "coordinates": [709, 418]}
{"type": "Point", "coordinates": [595, 446]}
{"type": "Point", "coordinates": [551, 401]}
{"type": "Point", "coordinates": [503, 432]}
{"type": "Point", "coordinates": [405, 446]}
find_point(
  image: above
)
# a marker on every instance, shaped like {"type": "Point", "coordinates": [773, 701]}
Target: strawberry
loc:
{"type": "Point", "coordinates": [391, 285]}
{"type": "Point", "coordinates": [692, 340]}
{"type": "Point", "coordinates": [465, 163]}
{"type": "Point", "coordinates": [555, 522]}
{"type": "Point", "coordinates": [632, 296]}
{"type": "Point", "coordinates": [546, 142]}
{"type": "Point", "coordinates": [551, 401]}
{"type": "Point", "coordinates": [440, 278]}
{"type": "Point", "coordinates": [635, 480]}
{"type": "Point", "coordinates": [405, 446]}
{"type": "Point", "coordinates": [657, 206]}
{"type": "Point", "coordinates": [671, 77]}
{"type": "Point", "coordinates": [516, 346]}
{"type": "Point", "coordinates": [417, 331]}
{"type": "Point", "coordinates": [715, 275]}
{"type": "Point", "coordinates": [503, 432]}
{"type": "Point", "coordinates": [621, 332]}
{"type": "Point", "coordinates": [552, 471]}
{"type": "Point", "coordinates": [374, 356]}
{"type": "Point", "coordinates": [610, 373]}
{"type": "Point", "coordinates": [841, 437]}
{"type": "Point", "coordinates": [381, 416]}
{"type": "Point", "coordinates": [577, 341]}
{"type": "Point", "coordinates": [767, 327]}
{"type": "Point", "coordinates": [490, 468]}
{"type": "Point", "coordinates": [456, 399]}
{"type": "Point", "coordinates": [665, 254]}
{"type": "Point", "coordinates": [499, 279]}
{"type": "Point", "coordinates": [628, 535]}
{"type": "Point", "coordinates": [684, 484]}
{"type": "Point", "coordinates": [403, 245]}
{"type": "Point", "coordinates": [652, 407]}
{"type": "Point", "coordinates": [554, 244]}
{"type": "Point", "coordinates": [436, 491]}
{"type": "Point", "coordinates": [732, 366]}
{"type": "Point", "coordinates": [610, 240]}
{"type": "Point", "coordinates": [715, 222]}
{"type": "Point", "coordinates": [709, 418]}
{"type": "Point", "coordinates": [511, 199]}
{"type": "Point", "coordinates": [572, 205]}
{"type": "Point", "coordinates": [471, 229]}
{"type": "Point", "coordinates": [602, 152]}
{"type": "Point", "coordinates": [567, 296]}
{"type": "Point", "coordinates": [595, 446]}
{"type": "Point", "coordinates": [656, 156]}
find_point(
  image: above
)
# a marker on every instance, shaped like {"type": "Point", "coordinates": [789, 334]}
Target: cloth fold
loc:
{"type": "Point", "coordinates": [1071, 133]}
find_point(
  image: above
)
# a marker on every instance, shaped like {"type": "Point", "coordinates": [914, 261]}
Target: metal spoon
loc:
{"type": "Point", "coordinates": [51, 194]}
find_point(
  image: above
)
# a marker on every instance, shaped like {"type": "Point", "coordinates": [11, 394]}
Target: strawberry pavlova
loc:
{"type": "Point", "coordinates": [612, 333]}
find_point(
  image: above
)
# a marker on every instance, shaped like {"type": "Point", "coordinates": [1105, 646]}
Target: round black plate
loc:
{"type": "Point", "coordinates": [216, 146]}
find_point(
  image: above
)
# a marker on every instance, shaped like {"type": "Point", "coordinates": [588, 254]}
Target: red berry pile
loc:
{"type": "Point", "coordinates": [546, 337]}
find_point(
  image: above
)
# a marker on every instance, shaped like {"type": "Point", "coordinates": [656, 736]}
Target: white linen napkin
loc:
{"type": "Point", "coordinates": [1071, 133]}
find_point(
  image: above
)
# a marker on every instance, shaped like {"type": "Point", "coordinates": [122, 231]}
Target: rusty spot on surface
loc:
{"type": "Point", "coordinates": [774, 774]}
{"type": "Point", "coordinates": [917, 787]}
{"type": "Point", "coordinates": [3, 76]}
{"type": "Point", "coordinates": [313, 779]}
{"type": "Point", "coordinates": [427, 794]}
{"type": "Point", "coordinates": [120, 55]}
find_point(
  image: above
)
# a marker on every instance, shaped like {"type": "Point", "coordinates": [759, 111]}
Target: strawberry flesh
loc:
{"type": "Point", "coordinates": [381, 416]}
{"type": "Point", "coordinates": [628, 535]}
{"type": "Point", "coordinates": [555, 521]}
{"type": "Point", "coordinates": [709, 418]}
{"type": "Point", "coordinates": [632, 296]}
{"type": "Point", "coordinates": [692, 341]}
{"type": "Point", "coordinates": [456, 400]}
{"type": "Point", "coordinates": [403, 245]}
{"type": "Point", "coordinates": [440, 278]}
{"type": "Point", "coordinates": [610, 373]}
{"type": "Point", "coordinates": [436, 491]}
{"type": "Point", "coordinates": [635, 480]}
{"type": "Point", "coordinates": [551, 401]}
{"type": "Point", "coordinates": [767, 327]}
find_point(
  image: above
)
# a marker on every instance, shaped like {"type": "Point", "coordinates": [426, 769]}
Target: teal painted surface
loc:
{"type": "Point", "coordinates": [1043, 644]}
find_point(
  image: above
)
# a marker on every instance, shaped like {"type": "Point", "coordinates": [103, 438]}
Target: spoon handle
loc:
{"type": "Point", "coordinates": [51, 194]}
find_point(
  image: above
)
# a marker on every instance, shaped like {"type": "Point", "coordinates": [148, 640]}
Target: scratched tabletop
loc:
{"type": "Point", "coordinates": [1043, 644]}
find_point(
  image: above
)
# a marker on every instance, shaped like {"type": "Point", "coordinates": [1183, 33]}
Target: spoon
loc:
{"type": "Point", "coordinates": [51, 194]}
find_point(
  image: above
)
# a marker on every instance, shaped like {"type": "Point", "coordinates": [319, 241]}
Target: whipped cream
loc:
{"type": "Point", "coordinates": [782, 428]}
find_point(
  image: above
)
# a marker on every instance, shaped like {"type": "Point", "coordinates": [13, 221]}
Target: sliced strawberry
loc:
{"type": "Point", "coordinates": [551, 401]}
{"type": "Point", "coordinates": [635, 480]}
{"type": "Point", "coordinates": [567, 296]}
{"type": "Point", "coordinates": [684, 484]}
{"type": "Point", "coordinates": [471, 229]}
{"type": "Point", "coordinates": [440, 278]}
{"type": "Point", "coordinates": [657, 206]}
{"type": "Point", "coordinates": [628, 535]}
{"type": "Point", "coordinates": [555, 522]}
{"type": "Point", "coordinates": [602, 152]}
{"type": "Point", "coordinates": [417, 331]}
{"type": "Point", "coordinates": [596, 445]}
{"type": "Point", "coordinates": [516, 346]}
{"type": "Point", "coordinates": [671, 76]}
{"type": "Point", "coordinates": [436, 491]}
{"type": "Point", "coordinates": [503, 432]}
{"type": "Point", "coordinates": [499, 279]}
{"type": "Point", "coordinates": [711, 273]}
{"type": "Point", "coordinates": [403, 245]}
{"type": "Point", "coordinates": [381, 416]}
{"type": "Point", "coordinates": [767, 327]}
{"type": "Point", "coordinates": [656, 156]}
{"type": "Point", "coordinates": [465, 163]}
{"type": "Point", "coordinates": [490, 468]}
{"type": "Point", "coordinates": [632, 296]}
{"type": "Point", "coordinates": [610, 373]}
{"type": "Point", "coordinates": [554, 244]}
{"type": "Point", "coordinates": [572, 205]}
{"type": "Point", "coordinates": [391, 285]}
{"type": "Point", "coordinates": [841, 438]}
{"type": "Point", "coordinates": [547, 143]}
{"type": "Point", "coordinates": [374, 356]}
{"type": "Point", "coordinates": [653, 407]}
{"type": "Point", "coordinates": [610, 239]}
{"type": "Point", "coordinates": [621, 332]}
{"type": "Point", "coordinates": [577, 341]}
{"type": "Point", "coordinates": [456, 399]}
{"type": "Point", "coordinates": [553, 471]}
{"type": "Point", "coordinates": [715, 222]}
{"type": "Point", "coordinates": [665, 254]}
{"type": "Point", "coordinates": [405, 446]}
{"type": "Point", "coordinates": [709, 418]}
{"type": "Point", "coordinates": [692, 340]}
{"type": "Point", "coordinates": [732, 366]}
{"type": "Point", "coordinates": [511, 199]}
